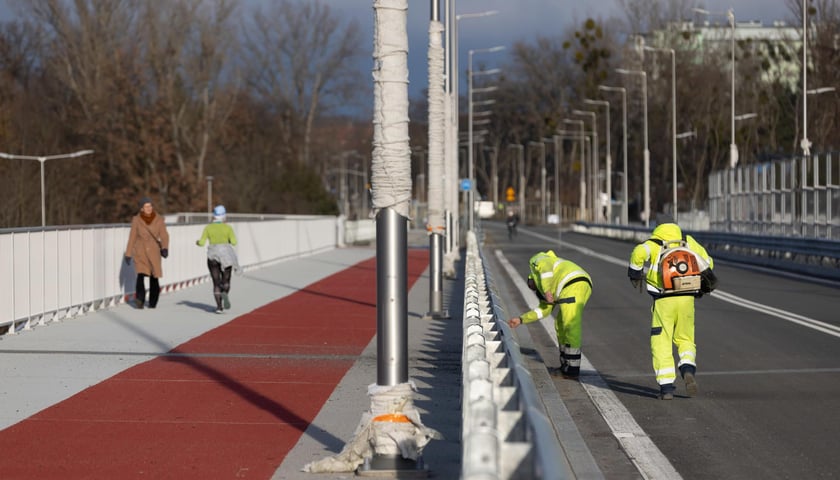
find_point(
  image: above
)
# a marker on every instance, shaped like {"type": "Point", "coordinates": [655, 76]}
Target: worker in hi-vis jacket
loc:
{"type": "Point", "coordinates": [673, 309]}
{"type": "Point", "coordinates": [559, 282]}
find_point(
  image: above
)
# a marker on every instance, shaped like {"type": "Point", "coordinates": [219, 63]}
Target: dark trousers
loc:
{"type": "Point", "coordinates": [154, 289]}
{"type": "Point", "coordinates": [221, 280]}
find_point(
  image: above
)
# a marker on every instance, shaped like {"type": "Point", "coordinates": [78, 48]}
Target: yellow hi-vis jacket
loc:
{"type": "Point", "coordinates": [551, 273]}
{"type": "Point", "coordinates": [647, 254]}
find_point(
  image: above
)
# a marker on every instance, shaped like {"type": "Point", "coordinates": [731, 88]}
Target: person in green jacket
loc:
{"type": "Point", "coordinates": [559, 282]}
{"type": "Point", "coordinates": [221, 257]}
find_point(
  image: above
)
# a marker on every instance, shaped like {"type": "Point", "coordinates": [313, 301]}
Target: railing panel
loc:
{"type": "Point", "coordinates": [56, 273]}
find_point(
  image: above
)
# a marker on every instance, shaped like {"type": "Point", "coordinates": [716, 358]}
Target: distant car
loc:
{"type": "Point", "coordinates": [485, 209]}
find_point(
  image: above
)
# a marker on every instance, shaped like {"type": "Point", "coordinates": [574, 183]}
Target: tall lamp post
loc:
{"type": "Point", "coordinates": [454, 86]}
{"type": "Point", "coordinates": [608, 180]}
{"type": "Point", "coordinates": [543, 204]}
{"type": "Point", "coordinates": [673, 121]}
{"type": "Point", "coordinates": [646, 152]}
{"type": "Point", "coordinates": [582, 202]}
{"type": "Point", "coordinates": [210, 195]}
{"type": "Point", "coordinates": [730, 15]}
{"type": "Point", "coordinates": [805, 143]}
{"type": "Point", "coordinates": [560, 135]}
{"type": "Point", "coordinates": [521, 161]}
{"type": "Point", "coordinates": [592, 173]}
{"type": "Point", "coordinates": [43, 159]}
{"type": "Point", "coordinates": [470, 159]}
{"type": "Point", "coordinates": [623, 91]}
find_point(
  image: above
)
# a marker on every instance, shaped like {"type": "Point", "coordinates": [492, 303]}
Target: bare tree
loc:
{"type": "Point", "coordinates": [302, 59]}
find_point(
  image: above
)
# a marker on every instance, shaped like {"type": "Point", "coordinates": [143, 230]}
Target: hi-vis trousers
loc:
{"type": "Point", "coordinates": [673, 325]}
{"type": "Point", "coordinates": [568, 323]}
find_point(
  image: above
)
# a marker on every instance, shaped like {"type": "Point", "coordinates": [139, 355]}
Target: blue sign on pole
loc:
{"type": "Point", "coordinates": [465, 185]}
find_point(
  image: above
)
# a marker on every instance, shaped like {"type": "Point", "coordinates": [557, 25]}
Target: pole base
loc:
{"type": "Point", "coordinates": [392, 466]}
{"type": "Point", "coordinates": [442, 315]}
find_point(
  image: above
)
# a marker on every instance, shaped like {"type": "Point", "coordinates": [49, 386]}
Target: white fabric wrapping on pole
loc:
{"type": "Point", "coordinates": [391, 164]}
{"type": "Point", "coordinates": [391, 427]}
{"type": "Point", "coordinates": [437, 128]}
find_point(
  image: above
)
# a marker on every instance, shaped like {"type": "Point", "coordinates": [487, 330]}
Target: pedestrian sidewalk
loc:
{"type": "Point", "coordinates": [257, 392]}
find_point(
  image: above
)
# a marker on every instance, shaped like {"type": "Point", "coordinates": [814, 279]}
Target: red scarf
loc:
{"type": "Point", "coordinates": [147, 218]}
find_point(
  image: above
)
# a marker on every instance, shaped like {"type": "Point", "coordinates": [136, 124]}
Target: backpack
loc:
{"type": "Point", "coordinates": [680, 269]}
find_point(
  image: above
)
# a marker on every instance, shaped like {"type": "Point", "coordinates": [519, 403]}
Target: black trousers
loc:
{"type": "Point", "coordinates": [221, 280]}
{"type": "Point", "coordinates": [154, 289]}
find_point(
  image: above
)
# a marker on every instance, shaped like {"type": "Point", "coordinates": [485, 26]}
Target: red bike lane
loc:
{"type": "Point", "coordinates": [229, 403]}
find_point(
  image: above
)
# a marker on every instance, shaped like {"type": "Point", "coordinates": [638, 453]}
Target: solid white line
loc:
{"type": "Point", "coordinates": [649, 460]}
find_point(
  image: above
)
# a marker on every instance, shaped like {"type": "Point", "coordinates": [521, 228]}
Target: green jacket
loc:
{"type": "Point", "coordinates": [217, 233]}
{"type": "Point", "coordinates": [550, 273]}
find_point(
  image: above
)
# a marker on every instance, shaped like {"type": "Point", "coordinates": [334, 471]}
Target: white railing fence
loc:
{"type": "Point", "coordinates": [53, 274]}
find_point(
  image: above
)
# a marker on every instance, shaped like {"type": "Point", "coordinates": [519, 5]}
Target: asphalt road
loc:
{"type": "Point", "coordinates": [768, 364]}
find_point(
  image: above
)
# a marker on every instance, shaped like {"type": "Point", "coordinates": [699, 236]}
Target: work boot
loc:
{"type": "Point", "coordinates": [666, 391]}
{"type": "Point", "coordinates": [688, 372]}
{"type": "Point", "coordinates": [569, 372]}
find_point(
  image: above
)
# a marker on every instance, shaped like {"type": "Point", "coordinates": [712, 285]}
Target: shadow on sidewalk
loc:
{"type": "Point", "coordinates": [437, 373]}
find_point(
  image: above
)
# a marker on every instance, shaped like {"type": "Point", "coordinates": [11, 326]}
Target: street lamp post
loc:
{"type": "Point", "coordinates": [646, 152]}
{"type": "Point", "coordinates": [673, 122]}
{"type": "Point", "coordinates": [454, 86]}
{"type": "Point", "coordinates": [521, 161]}
{"type": "Point", "coordinates": [733, 147]}
{"type": "Point", "coordinates": [592, 173]}
{"type": "Point", "coordinates": [210, 195]}
{"type": "Point", "coordinates": [41, 160]}
{"type": "Point", "coordinates": [624, 145]}
{"type": "Point", "coordinates": [543, 203]}
{"type": "Point", "coordinates": [582, 201]}
{"type": "Point", "coordinates": [805, 144]}
{"type": "Point", "coordinates": [608, 156]}
{"type": "Point", "coordinates": [470, 159]}
{"type": "Point", "coordinates": [556, 139]}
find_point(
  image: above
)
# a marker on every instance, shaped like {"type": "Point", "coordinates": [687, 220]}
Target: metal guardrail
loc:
{"type": "Point", "coordinates": [818, 258]}
{"type": "Point", "coordinates": [506, 432]}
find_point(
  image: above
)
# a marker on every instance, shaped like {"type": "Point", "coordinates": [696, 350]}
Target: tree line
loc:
{"type": "Point", "coordinates": [274, 103]}
{"type": "Point", "coordinates": [169, 92]}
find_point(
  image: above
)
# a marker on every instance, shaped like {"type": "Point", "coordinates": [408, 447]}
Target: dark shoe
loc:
{"type": "Point", "coordinates": [226, 301]}
{"type": "Point", "coordinates": [666, 391]}
{"type": "Point", "coordinates": [690, 384]}
{"type": "Point", "coordinates": [138, 303]}
{"type": "Point", "coordinates": [219, 310]}
{"type": "Point", "coordinates": [688, 371]}
{"type": "Point", "coordinates": [569, 372]}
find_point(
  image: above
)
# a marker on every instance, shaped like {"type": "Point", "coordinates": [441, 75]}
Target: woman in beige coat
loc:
{"type": "Point", "coordinates": [148, 241]}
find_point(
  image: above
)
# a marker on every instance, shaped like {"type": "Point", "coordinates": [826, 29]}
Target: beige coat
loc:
{"type": "Point", "coordinates": [144, 244]}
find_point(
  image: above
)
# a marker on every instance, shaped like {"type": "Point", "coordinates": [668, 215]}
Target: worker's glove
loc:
{"type": "Point", "coordinates": [164, 252]}
{"type": "Point", "coordinates": [127, 260]}
{"type": "Point", "coordinates": [636, 282]}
